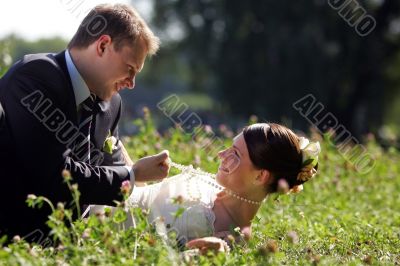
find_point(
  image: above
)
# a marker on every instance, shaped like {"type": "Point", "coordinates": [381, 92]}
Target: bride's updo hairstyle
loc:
{"type": "Point", "coordinates": [277, 149]}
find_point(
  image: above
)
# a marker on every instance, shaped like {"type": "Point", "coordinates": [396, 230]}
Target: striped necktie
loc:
{"type": "Point", "coordinates": [85, 124]}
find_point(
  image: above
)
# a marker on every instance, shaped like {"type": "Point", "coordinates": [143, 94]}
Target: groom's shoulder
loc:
{"type": "Point", "coordinates": [46, 60]}
{"type": "Point", "coordinates": [40, 65]}
{"type": "Point", "coordinates": [40, 57]}
{"type": "Point", "coordinates": [38, 71]}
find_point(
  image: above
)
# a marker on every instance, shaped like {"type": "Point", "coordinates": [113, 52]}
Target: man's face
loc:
{"type": "Point", "coordinates": [119, 69]}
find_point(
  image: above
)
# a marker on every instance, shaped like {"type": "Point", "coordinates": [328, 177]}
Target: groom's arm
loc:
{"type": "Point", "coordinates": [120, 155]}
{"type": "Point", "coordinates": [38, 144]}
{"type": "Point", "coordinates": [34, 99]}
{"type": "Point", "coordinates": [2, 117]}
{"type": "Point", "coordinates": [130, 163]}
{"type": "Point", "coordinates": [40, 149]}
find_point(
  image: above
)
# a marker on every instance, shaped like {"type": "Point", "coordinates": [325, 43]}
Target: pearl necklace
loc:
{"type": "Point", "coordinates": [200, 173]}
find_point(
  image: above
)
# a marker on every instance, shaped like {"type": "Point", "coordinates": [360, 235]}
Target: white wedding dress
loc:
{"type": "Point", "coordinates": [194, 193]}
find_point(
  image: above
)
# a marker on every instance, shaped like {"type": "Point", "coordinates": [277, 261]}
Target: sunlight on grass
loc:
{"type": "Point", "coordinates": [340, 217]}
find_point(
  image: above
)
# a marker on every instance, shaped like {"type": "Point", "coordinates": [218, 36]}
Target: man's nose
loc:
{"type": "Point", "coordinates": [130, 82]}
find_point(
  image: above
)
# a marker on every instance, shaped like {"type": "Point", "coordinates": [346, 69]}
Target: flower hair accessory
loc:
{"type": "Point", "coordinates": [309, 152]}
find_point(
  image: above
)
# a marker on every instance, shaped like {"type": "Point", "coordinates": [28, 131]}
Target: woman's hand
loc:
{"type": "Point", "coordinates": [210, 243]}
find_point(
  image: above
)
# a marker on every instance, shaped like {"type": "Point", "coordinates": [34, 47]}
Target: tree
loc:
{"type": "Point", "coordinates": [261, 56]}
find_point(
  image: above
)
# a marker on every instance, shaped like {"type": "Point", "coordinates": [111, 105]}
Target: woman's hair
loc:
{"type": "Point", "coordinates": [277, 149]}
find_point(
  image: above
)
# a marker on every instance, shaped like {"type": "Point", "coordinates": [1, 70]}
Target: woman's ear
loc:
{"type": "Point", "coordinates": [264, 177]}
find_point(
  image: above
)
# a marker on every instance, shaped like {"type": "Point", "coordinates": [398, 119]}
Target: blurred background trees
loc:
{"type": "Point", "coordinates": [259, 57]}
{"type": "Point", "coordinates": [232, 59]}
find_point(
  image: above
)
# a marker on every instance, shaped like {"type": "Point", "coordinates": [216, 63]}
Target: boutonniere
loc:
{"type": "Point", "coordinates": [110, 144]}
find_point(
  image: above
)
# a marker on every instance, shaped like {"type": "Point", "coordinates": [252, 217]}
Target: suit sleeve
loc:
{"type": "Point", "coordinates": [2, 117]}
{"type": "Point", "coordinates": [35, 116]}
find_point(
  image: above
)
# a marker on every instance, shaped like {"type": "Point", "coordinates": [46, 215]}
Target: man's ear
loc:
{"type": "Point", "coordinates": [263, 178]}
{"type": "Point", "coordinates": [102, 43]}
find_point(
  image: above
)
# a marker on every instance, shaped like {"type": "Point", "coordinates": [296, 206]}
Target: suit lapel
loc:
{"type": "Point", "coordinates": [70, 97]}
{"type": "Point", "coordinates": [102, 120]}
{"type": "Point", "coordinates": [102, 123]}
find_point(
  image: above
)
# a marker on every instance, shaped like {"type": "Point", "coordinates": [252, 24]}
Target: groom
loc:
{"type": "Point", "coordinates": [61, 111]}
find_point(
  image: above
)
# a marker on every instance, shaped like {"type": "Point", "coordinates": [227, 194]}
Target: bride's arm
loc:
{"type": "Point", "coordinates": [206, 244]}
{"type": "Point", "coordinates": [220, 242]}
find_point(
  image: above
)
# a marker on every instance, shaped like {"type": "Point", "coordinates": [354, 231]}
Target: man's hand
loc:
{"type": "Point", "coordinates": [127, 158]}
{"type": "Point", "coordinates": [209, 243]}
{"type": "Point", "coordinates": [153, 167]}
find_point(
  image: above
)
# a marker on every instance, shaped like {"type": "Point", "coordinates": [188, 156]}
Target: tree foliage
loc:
{"type": "Point", "coordinates": [258, 57]}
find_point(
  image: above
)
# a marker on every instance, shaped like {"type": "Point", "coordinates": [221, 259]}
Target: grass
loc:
{"type": "Point", "coordinates": [341, 217]}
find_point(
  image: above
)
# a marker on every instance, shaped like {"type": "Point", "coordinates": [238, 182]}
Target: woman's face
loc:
{"type": "Point", "coordinates": [236, 171]}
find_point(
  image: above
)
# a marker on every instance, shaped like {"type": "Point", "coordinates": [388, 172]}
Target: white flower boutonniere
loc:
{"type": "Point", "coordinates": [110, 144]}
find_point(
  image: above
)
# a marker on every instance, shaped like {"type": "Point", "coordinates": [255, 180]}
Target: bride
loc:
{"type": "Point", "coordinates": [264, 159]}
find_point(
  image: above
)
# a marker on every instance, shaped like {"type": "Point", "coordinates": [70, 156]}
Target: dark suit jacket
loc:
{"type": "Point", "coordinates": [37, 99]}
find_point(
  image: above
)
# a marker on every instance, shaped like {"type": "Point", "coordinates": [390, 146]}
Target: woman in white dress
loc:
{"type": "Point", "coordinates": [264, 159]}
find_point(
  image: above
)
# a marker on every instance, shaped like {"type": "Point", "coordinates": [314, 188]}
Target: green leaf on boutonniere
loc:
{"type": "Point", "coordinates": [108, 146]}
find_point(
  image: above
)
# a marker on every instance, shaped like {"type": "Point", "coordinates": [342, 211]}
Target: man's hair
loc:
{"type": "Point", "coordinates": [121, 22]}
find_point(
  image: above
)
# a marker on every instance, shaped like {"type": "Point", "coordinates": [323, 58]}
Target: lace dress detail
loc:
{"type": "Point", "coordinates": [195, 194]}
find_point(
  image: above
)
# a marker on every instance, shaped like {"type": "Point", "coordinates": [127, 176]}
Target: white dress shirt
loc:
{"type": "Point", "coordinates": [81, 90]}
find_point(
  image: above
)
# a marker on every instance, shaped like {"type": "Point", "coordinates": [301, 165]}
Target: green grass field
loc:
{"type": "Point", "coordinates": [341, 216]}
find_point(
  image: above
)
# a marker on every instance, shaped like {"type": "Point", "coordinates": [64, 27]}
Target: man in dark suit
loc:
{"type": "Point", "coordinates": [61, 111]}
